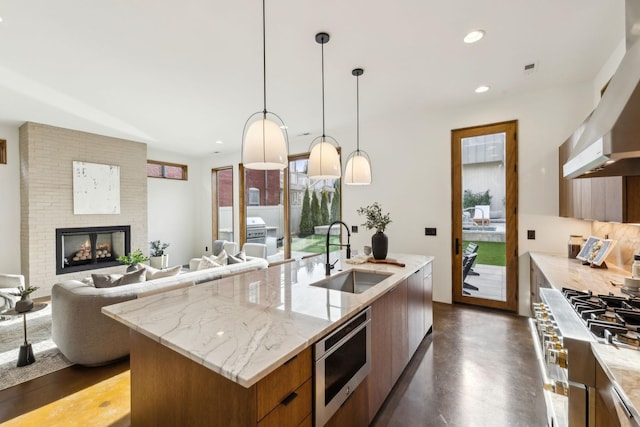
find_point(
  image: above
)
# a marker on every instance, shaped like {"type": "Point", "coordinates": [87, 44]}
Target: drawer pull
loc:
{"type": "Point", "coordinates": [291, 360]}
{"type": "Point", "coordinates": [289, 398]}
{"type": "Point", "coordinates": [628, 413]}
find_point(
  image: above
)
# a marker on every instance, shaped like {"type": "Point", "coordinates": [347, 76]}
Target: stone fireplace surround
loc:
{"type": "Point", "coordinates": [46, 195]}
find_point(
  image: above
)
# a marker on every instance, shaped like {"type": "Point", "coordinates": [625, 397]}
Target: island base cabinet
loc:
{"type": "Point", "coordinates": [355, 411]}
{"type": "Point", "coordinates": [170, 389]}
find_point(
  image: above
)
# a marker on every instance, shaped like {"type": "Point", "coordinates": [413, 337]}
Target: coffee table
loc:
{"type": "Point", "coordinates": [26, 356]}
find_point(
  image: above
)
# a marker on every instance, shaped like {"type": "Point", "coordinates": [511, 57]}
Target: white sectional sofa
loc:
{"type": "Point", "coordinates": [87, 337]}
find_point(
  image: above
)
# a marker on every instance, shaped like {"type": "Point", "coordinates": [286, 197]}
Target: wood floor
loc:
{"type": "Point", "coordinates": [478, 368]}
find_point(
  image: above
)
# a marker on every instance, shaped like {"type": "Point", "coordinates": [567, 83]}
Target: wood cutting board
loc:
{"type": "Point", "coordinates": [386, 261]}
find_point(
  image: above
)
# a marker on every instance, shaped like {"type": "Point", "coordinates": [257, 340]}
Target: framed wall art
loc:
{"type": "Point", "coordinates": [96, 188]}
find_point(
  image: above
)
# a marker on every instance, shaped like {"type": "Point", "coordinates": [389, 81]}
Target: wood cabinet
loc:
{"type": "Point", "coordinates": [399, 321]}
{"type": "Point", "coordinates": [536, 281]}
{"type": "Point", "coordinates": [399, 346]}
{"type": "Point", "coordinates": [389, 345]}
{"type": "Point", "coordinates": [610, 411]}
{"type": "Point", "coordinates": [379, 380]}
{"type": "Point", "coordinates": [168, 388]}
{"type": "Point", "coordinates": [614, 199]}
{"type": "Point", "coordinates": [415, 310]}
{"type": "Point", "coordinates": [355, 411]}
{"type": "Point", "coordinates": [428, 297]}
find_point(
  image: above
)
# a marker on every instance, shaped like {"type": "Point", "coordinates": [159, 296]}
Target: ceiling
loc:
{"type": "Point", "coordinates": [183, 75]}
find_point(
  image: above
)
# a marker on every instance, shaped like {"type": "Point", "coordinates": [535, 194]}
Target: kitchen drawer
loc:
{"type": "Point", "coordinates": [293, 410]}
{"type": "Point", "coordinates": [276, 386]}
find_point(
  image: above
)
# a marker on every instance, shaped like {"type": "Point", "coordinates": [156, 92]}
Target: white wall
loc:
{"type": "Point", "coordinates": [175, 209]}
{"type": "Point", "coordinates": [10, 203]}
{"type": "Point", "coordinates": [411, 158]}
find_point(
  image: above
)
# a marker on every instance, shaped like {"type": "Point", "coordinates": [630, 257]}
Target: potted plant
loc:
{"type": "Point", "coordinates": [375, 219]}
{"type": "Point", "coordinates": [132, 259]}
{"type": "Point", "coordinates": [159, 259]}
{"type": "Point", "coordinates": [26, 303]}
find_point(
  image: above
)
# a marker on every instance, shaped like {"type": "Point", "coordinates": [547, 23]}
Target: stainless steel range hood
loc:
{"type": "Point", "coordinates": [609, 144]}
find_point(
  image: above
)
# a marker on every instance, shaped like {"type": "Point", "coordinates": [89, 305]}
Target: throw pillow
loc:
{"type": "Point", "coordinates": [218, 246]}
{"type": "Point", "coordinates": [237, 258]}
{"type": "Point", "coordinates": [133, 277]}
{"type": "Point", "coordinates": [105, 280]}
{"type": "Point", "coordinates": [112, 280]}
{"type": "Point", "coordinates": [154, 273]}
{"type": "Point", "coordinates": [207, 262]}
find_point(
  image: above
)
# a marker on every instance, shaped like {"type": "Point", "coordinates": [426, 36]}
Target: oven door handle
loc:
{"type": "Point", "coordinates": [346, 338]}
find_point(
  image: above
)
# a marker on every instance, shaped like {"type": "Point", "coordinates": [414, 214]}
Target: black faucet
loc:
{"type": "Point", "coordinates": [328, 265]}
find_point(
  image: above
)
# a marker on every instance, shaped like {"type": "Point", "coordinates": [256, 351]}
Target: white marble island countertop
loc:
{"type": "Point", "coordinates": [243, 327]}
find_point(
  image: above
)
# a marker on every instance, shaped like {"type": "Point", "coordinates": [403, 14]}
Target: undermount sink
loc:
{"type": "Point", "coordinates": [354, 281]}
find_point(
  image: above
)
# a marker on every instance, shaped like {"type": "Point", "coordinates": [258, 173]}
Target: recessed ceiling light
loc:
{"type": "Point", "coordinates": [482, 89]}
{"type": "Point", "coordinates": [219, 142]}
{"type": "Point", "coordinates": [474, 36]}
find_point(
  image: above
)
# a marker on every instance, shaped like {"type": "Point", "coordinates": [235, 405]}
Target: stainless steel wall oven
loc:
{"type": "Point", "coordinates": [342, 362]}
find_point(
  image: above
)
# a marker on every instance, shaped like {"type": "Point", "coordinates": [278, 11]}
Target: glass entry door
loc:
{"type": "Point", "coordinates": [484, 215]}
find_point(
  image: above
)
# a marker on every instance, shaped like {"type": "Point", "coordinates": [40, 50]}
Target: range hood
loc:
{"type": "Point", "coordinates": [608, 142]}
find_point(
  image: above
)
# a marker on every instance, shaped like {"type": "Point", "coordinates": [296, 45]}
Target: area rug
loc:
{"type": "Point", "coordinates": [48, 357]}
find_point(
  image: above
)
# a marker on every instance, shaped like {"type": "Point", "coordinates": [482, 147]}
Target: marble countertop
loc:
{"type": "Point", "coordinates": [561, 271]}
{"type": "Point", "coordinates": [245, 326]}
{"type": "Point", "coordinates": [621, 365]}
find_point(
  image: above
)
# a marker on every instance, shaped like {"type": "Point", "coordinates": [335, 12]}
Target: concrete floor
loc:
{"type": "Point", "coordinates": [478, 368]}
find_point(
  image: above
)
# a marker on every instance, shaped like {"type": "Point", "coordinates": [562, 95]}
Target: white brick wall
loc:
{"type": "Point", "coordinates": [46, 186]}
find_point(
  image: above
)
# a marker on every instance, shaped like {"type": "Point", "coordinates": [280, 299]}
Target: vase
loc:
{"type": "Point", "coordinates": [379, 245]}
{"type": "Point", "coordinates": [132, 267]}
{"type": "Point", "coordinates": [159, 262]}
{"type": "Point", "coordinates": [23, 305]}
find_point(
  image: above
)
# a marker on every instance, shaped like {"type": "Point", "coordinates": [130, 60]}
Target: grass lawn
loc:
{"type": "Point", "coordinates": [316, 243]}
{"type": "Point", "coordinates": [489, 253]}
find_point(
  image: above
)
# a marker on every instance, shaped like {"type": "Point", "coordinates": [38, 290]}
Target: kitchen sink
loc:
{"type": "Point", "coordinates": [354, 281]}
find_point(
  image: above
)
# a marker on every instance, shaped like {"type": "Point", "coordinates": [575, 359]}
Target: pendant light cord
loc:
{"type": "Point", "coordinates": [322, 50]}
{"type": "Point", "coordinates": [358, 114]}
{"type": "Point", "coordinates": [264, 59]}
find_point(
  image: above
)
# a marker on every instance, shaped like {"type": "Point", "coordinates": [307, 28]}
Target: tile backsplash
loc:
{"type": "Point", "coordinates": [628, 241]}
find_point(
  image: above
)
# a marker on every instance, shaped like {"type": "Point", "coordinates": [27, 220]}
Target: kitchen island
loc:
{"type": "Point", "coordinates": [231, 337]}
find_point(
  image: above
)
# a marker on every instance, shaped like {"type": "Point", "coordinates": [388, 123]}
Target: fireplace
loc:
{"type": "Point", "coordinates": [89, 248]}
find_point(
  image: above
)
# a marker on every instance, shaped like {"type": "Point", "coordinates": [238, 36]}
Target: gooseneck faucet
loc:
{"type": "Point", "coordinates": [328, 265]}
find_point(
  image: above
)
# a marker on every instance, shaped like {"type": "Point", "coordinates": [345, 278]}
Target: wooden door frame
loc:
{"type": "Point", "coordinates": [215, 220]}
{"type": "Point", "coordinates": [510, 128]}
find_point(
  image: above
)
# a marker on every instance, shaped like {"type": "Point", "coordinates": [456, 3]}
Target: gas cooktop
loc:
{"type": "Point", "coordinates": [612, 318]}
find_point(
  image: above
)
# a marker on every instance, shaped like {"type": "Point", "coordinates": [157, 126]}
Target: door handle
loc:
{"type": "Point", "coordinates": [457, 244]}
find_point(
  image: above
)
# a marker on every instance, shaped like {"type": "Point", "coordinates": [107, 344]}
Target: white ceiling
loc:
{"type": "Point", "coordinates": [181, 75]}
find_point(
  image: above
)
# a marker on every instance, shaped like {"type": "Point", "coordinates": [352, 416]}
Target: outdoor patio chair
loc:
{"type": "Point", "coordinates": [471, 248]}
{"type": "Point", "coordinates": [467, 262]}
{"type": "Point", "coordinates": [481, 215]}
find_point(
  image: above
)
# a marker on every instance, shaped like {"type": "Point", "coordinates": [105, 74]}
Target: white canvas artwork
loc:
{"type": "Point", "coordinates": [96, 188]}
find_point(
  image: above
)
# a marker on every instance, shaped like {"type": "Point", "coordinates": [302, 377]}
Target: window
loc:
{"type": "Point", "coordinates": [222, 200]}
{"type": "Point", "coordinates": [166, 170]}
{"type": "Point", "coordinates": [3, 151]}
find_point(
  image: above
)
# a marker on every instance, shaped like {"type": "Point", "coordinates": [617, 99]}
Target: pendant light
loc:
{"type": "Point", "coordinates": [264, 138]}
{"type": "Point", "coordinates": [324, 160]}
{"type": "Point", "coordinates": [358, 169]}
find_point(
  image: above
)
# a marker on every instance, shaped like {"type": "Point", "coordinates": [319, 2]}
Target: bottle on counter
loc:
{"type": "Point", "coordinates": [575, 244]}
{"type": "Point", "coordinates": [635, 267]}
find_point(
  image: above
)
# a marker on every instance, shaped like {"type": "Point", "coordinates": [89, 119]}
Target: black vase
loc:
{"type": "Point", "coordinates": [379, 245]}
